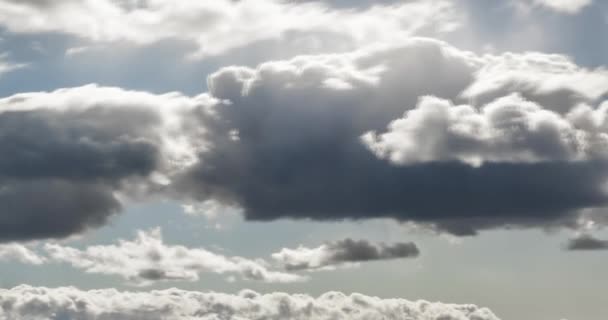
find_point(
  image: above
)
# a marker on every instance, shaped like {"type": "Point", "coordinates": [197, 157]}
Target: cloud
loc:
{"type": "Point", "coordinates": [565, 6]}
{"type": "Point", "coordinates": [285, 140]}
{"type": "Point", "coordinates": [569, 7]}
{"type": "Point", "coordinates": [508, 130]}
{"type": "Point", "coordinates": [71, 156]}
{"type": "Point", "coordinates": [551, 80]}
{"type": "Point", "coordinates": [587, 242]}
{"type": "Point", "coordinates": [343, 252]}
{"type": "Point", "coordinates": [6, 66]}
{"type": "Point", "coordinates": [20, 253]}
{"type": "Point", "coordinates": [147, 259]}
{"type": "Point", "coordinates": [218, 26]}
{"type": "Point", "coordinates": [25, 302]}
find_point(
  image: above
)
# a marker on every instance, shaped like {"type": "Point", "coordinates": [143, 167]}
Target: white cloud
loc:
{"type": "Point", "coordinates": [211, 209]}
{"type": "Point", "coordinates": [147, 259]}
{"type": "Point", "coordinates": [550, 79]}
{"type": "Point", "coordinates": [565, 6]}
{"type": "Point", "coordinates": [37, 303]}
{"type": "Point", "coordinates": [570, 7]}
{"type": "Point", "coordinates": [220, 25]}
{"type": "Point", "coordinates": [509, 129]}
{"type": "Point", "coordinates": [20, 253]}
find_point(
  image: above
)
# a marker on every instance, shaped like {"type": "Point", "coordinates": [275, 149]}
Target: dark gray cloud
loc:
{"type": "Point", "coordinates": [342, 252]}
{"type": "Point", "coordinates": [51, 208]}
{"type": "Point", "coordinates": [101, 141]}
{"type": "Point", "coordinates": [287, 145]}
{"type": "Point", "coordinates": [67, 154]}
{"type": "Point", "coordinates": [587, 242]}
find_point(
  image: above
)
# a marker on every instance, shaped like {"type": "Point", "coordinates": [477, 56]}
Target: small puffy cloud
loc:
{"type": "Point", "coordinates": [220, 25]}
{"type": "Point", "coordinates": [25, 302]}
{"type": "Point", "coordinates": [147, 259]}
{"type": "Point", "coordinates": [342, 252]}
{"type": "Point", "coordinates": [586, 242]}
{"type": "Point", "coordinates": [20, 253]}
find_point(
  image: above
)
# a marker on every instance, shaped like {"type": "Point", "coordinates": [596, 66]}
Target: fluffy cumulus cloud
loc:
{"type": "Point", "coordinates": [147, 259]}
{"type": "Point", "coordinates": [20, 253]}
{"type": "Point", "coordinates": [417, 131]}
{"type": "Point", "coordinates": [27, 302]}
{"type": "Point", "coordinates": [343, 252]}
{"type": "Point", "coordinates": [508, 130]}
{"type": "Point", "coordinates": [68, 154]}
{"type": "Point", "coordinates": [587, 242]}
{"type": "Point", "coordinates": [217, 26]}
{"type": "Point", "coordinates": [490, 150]}
{"type": "Point", "coordinates": [554, 81]}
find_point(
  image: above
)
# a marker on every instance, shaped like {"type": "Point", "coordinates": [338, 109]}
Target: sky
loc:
{"type": "Point", "coordinates": [303, 159]}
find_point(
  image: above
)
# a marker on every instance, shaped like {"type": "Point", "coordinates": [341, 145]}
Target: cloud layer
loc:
{"type": "Point", "coordinates": [26, 302]}
{"type": "Point", "coordinates": [473, 142]}
{"type": "Point", "coordinates": [342, 252]}
{"type": "Point", "coordinates": [147, 259]}
{"type": "Point", "coordinates": [217, 26]}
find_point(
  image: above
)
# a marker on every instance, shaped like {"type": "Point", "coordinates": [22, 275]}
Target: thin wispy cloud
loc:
{"type": "Point", "coordinates": [344, 252]}
{"type": "Point", "coordinates": [7, 66]}
{"type": "Point", "coordinates": [147, 259]}
{"type": "Point", "coordinates": [586, 242]}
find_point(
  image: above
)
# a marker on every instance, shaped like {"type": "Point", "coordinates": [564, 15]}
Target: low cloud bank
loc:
{"type": "Point", "coordinates": [31, 303]}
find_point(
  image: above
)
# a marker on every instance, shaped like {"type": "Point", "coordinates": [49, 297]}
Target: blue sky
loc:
{"type": "Point", "coordinates": [447, 151]}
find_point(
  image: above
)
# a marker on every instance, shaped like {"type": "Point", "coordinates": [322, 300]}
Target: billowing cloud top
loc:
{"type": "Point", "coordinates": [26, 302]}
